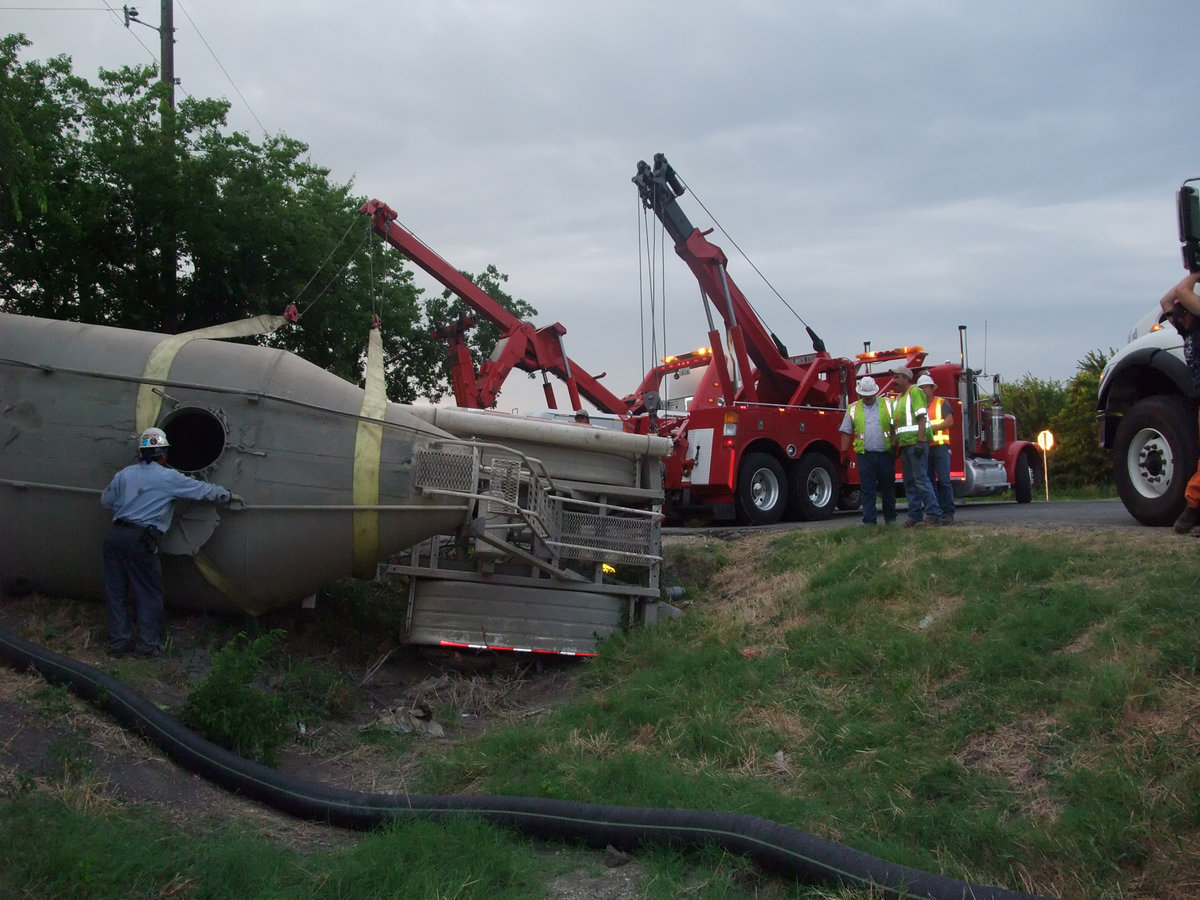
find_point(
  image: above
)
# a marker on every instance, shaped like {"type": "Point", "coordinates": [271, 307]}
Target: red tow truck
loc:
{"type": "Point", "coordinates": [756, 437]}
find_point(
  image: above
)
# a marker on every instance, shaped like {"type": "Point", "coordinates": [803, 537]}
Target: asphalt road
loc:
{"type": "Point", "coordinates": [1075, 513]}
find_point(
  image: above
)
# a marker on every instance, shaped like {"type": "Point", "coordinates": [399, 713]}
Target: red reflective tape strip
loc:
{"type": "Point", "coordinates": [513, 649]}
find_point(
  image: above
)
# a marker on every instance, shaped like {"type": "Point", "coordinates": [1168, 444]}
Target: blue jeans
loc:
{"type": "Point", "coordinates": [131, 568]}
{"type": "Point", "coordinates": [922, 501]}
{"type": "Point", "coordinates": [877, 474]}
{"type": "Point", "coordinates": [939, 477]}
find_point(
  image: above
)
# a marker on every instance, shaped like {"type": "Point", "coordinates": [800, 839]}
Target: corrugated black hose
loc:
{"type": "Point", "coordinates": [779, 848]}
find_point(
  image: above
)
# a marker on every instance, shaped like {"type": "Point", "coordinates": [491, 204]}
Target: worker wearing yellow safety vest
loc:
{"type": "Point", "coordinates": [940, 418]}
{"type": "Point", "coordinates": [869, 423]}
{"type": "Point", "coordinates": [910, 423]}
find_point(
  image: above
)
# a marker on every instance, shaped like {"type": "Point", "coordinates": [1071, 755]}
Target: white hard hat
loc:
{"type": "Point", "coordinates": [925, 379]}
{"type": "Point", "coordinates": [867, 386]}
{"type": "Point", "coordinates": [153, 439]}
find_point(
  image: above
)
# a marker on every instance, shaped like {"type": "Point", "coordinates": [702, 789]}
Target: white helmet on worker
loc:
{"type": "Point", "coordinates": [153, 439]}
{"type": "Point", "coordinates": [925, 379]}
{"type": "Point", "coordinates": [867, 386]}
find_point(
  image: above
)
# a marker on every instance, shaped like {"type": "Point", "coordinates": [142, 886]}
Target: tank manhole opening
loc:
{"type": "Point", "coordinates": [197, 438]}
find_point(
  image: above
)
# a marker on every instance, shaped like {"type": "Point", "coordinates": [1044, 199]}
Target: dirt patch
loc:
{"type": "Point", "coordinates": [403, 704]}
{"type": "Point", "coordinates": [53, 742]}
{"type": "Point", "coordinates": [1019, 752]}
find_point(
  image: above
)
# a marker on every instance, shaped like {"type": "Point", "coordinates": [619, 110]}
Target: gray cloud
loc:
{"type": "Point", "coordinates": [895, 168]}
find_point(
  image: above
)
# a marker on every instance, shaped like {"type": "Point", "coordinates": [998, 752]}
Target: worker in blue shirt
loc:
{"type": "Point", "coordinates": [141, 497]}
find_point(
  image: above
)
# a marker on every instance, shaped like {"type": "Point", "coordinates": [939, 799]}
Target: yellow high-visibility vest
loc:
{"type": "Point", "coordinates": [937, 421]}
{"type": "Point", "coordinates": [859, 416]}
{"type": "Point", "coordinates": [912, 409]}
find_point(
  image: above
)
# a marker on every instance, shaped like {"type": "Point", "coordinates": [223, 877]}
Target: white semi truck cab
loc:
{"type": "Point", "coordinates": [1147, 404]}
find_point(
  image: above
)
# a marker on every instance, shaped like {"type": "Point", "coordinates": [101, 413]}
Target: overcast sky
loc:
{"type": "Point", "coordinates": [894, 168]}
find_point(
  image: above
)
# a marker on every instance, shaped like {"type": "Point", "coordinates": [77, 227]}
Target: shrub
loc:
{"type": "Point", "coordinates": [229, 710]}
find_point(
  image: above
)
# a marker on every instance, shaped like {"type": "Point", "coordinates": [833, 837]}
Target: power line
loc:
{"type": "Point", "coordinates": [118, 16]}
{"type": "Point", "coordinates": [221, 66]}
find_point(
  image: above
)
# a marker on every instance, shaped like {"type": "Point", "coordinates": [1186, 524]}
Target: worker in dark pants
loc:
{"type": "Point", "coordinates": [868, 425]}
{"type": "Point", "coordinates": [141, 497]}
{"type": "Point", "coordinates": [939, 417]}
{"type": "Point", "coordinates": [1183, 306]}
{"type": "Point", "coordinates": [910, 416]}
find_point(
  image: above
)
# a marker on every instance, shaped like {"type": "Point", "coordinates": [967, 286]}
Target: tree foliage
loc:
{"type": "Point", "coordinates": [1069, 413]}
{"type": "Point", "coordinates": [1034, 402]}
{"type": "Point", "coordinates": [1077, 458]}
{"type": "Point", "coordinates": [119, 210]}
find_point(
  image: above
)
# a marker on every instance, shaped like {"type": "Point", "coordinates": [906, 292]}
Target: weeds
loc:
{"type": "Point", "coordinates": [228, 709]}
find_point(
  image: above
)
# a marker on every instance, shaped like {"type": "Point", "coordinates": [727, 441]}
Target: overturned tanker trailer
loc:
{"type": "Point", "coordinates": [335, 479]}
{"type": "Point", "coordinates": [565, 544]}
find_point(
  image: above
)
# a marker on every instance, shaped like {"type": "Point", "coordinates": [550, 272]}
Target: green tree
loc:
{"type": "Point", "coordinates": [103, 184]}
{"type": "Point", "coordinates": [1077, 458]}
{"type": "Point", "coordinates": [1034, 401]}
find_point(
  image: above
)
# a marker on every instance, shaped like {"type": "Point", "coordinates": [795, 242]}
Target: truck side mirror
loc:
{"type": "Point", "coordinates": [1188, 204]}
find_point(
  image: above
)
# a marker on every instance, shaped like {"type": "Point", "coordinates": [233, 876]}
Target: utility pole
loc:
{"type": "Point", "coordinates": [166, 33]}
{"type": "Point", "coordinates": [169, 248]}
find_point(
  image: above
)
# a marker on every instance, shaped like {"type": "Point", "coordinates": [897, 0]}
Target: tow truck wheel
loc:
{"type": "Point", "coordinates": [1154, 455]}
{"type": "Point", "coordinates": [761, 492]}
{"type": "Point", "coordinates": [850, 497]}
{"type": "Point", "coordinates": [813, 489]}
{"type": "Point", "coordinates": [1023, 479]}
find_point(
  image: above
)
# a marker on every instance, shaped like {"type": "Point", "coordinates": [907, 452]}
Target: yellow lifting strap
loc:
{"type": "Point", "coordinates": [368, 447]}
{"type": "Point", "coordinates": [162, 357]}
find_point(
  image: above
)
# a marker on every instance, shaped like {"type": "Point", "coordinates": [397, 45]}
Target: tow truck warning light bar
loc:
{"type": "Point", "coordinates": [882, 355]}
{"type": "Point", "coordinates": [689, 360]}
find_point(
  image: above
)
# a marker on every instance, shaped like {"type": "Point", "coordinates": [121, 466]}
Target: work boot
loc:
{"type": "Point", "coordinates": [1188, 519]}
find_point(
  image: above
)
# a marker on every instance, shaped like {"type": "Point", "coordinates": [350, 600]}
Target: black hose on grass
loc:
{"type": "Point", "coordinates": [797, 854]}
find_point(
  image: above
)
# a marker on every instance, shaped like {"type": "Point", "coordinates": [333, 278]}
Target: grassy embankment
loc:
{"type": "Point", "coordinates": [1005, 706]}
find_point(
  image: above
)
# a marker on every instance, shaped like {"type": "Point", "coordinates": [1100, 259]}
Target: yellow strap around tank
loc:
{"type": "Point", "coordinates": [225, 586]}
{"type": "Point", "coordinates": [368, 447]}
{"type": "Point", "coordinates": [162, 357]}
{"type": "Point", "coordinates": [149, 404]}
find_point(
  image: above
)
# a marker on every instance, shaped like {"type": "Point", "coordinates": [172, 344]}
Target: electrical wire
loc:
{"type": "Point", "coordinates": [119, 16]}
{"type": "Point", "coordinates": [236, 89]}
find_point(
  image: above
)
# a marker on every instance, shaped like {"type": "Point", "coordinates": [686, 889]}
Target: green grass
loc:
{"type": "Point", "coordinates": [1007, 708]}
{"type": "Point", "coordinates": [53, 851]}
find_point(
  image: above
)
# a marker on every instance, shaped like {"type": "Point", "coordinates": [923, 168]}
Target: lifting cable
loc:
{"type": "Point", "coordinates": [655, 242]}
{"type": "Point", "coordinates": [641, 288]}
{"type": "Point", "coordinates": [293, 314]}
{"type": "Point", "coordinates": [729, 237]}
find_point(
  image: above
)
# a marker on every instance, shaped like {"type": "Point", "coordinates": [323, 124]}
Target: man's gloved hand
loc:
{"type": "Point", "coordinates": [919, 449]}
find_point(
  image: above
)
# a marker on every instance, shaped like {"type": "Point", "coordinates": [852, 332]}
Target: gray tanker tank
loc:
{"type": "Point", "coordinates": [325, 467]}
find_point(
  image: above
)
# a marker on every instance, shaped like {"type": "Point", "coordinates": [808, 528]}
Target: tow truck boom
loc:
{"type": "Point", "coordinates": [779, 379]}
{"type": "Point", "coordinates": [521, 345]}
